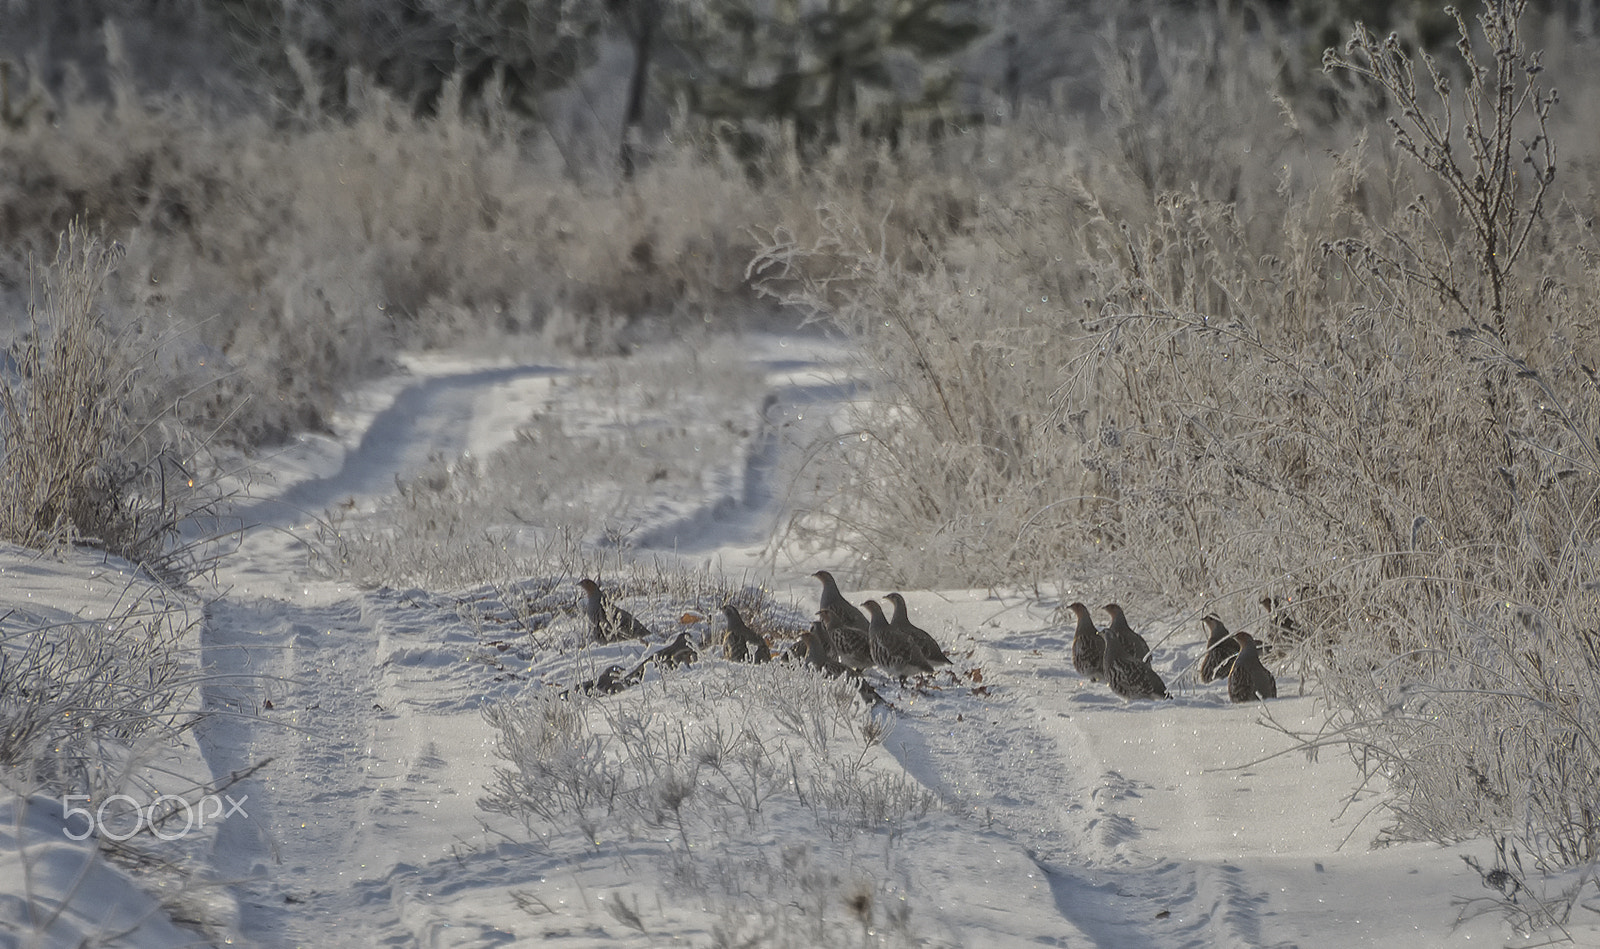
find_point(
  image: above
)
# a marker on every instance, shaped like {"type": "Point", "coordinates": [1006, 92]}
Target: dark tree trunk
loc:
{"type": "Point", "coordinates": [644, 34]}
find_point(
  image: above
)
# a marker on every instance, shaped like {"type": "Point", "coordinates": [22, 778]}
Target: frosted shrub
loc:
{"type": "Point", "coordinates": [90, 452]}
{"type": "Point", "coordinates": [690, 754]}
{"type": "Point", "coordinates": [561, 770]}
{"type": "Point", "coordinates": [1487, 610]}
{"type": "Point", "coordinates": [75, 696]}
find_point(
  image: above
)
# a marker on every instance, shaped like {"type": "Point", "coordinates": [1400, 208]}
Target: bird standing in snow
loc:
{"type": "Point", "coordinates": [847, 644]}
{"type": "Point", "coordinates": [815, 652]}
{"type": "Point", "coordinates": [894, 653]}
{"type": "Point", "coordinates": [608, 682]}
{"type": "Point", "coordinates": [1088, 648]}
{"type": "Point", "coordinates": [1249, 679]}
{"type": "Point", "coordinates": [1127, 663]}
{"type": "Point", "coordinates": [844, 628]}
{"type": "Point", "coordinates": [810, 647]}
{"type": "Point", "coordinates": [902, 626]}
{"type": "Point", "coordinates": [1135, 643]}
{"type": "Point", "coordinates": [1221, 648]}
{"type": "Point", "coordinates": [843, 612]}
{"type": "Point", "coordinates": [607, 621]}
{"type": "Point", "coordinates": [679, 652]}
{"type": "Point", "coordinates": [741, 643]}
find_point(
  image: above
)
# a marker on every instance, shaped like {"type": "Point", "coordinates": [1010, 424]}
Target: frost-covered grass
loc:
{"type": "Point", "coordinates": [692, 756]}
{"type": "Point", "coordinates": [101, 781]}
{"type": "Point", "coordinates": [78, 695]}
{"type": "Point", "coordinates": [99, 675]}
{"type": "Point", "coordinates": [702, 774]}
{"type": "Point", "coordinates": [295, 254]}
{"type": "Point", "coordinates": [683, 758]}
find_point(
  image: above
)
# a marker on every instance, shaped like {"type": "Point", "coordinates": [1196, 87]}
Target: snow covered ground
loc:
{"type": "Point", "coordinates": [1008, 802]}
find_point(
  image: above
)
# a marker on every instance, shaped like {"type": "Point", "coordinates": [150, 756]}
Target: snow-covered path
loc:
{"type": "Point", "coordinates": [448, 411]}
{"type": "Point", "coordinates": [1148, 822]}
{"type": "Point", "coordinates": [1066, 816]}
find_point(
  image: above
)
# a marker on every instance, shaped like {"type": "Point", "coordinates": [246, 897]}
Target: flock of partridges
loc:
{"type": "Point", "coordinates": [846, 641]}
{"type": "Point", "coordinates": [1121, 658]}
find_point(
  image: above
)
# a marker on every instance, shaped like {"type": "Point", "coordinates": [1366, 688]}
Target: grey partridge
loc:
{"type": "Point", "coordinates": [847, 644]}
{"type": "Point", "coordinates": [1288, 630]}
{"type": "Point", "coordinates": [1088, 649]}
{"type": "Point", "coordinates": [741, 643]}
{"type": "Point", "coordinates": [1128, 672]}
{"type": "Point", "coordinates": [1221, 648]}
{"type": "Point", "coordinates": [802, 645]}
{"type": "Point", "coordinates": [607, 682]}
{"type": "Point", "coordinates": [844, 612]}
{"type": "Point", "coordinates": [901, 623]}
{"type": "Point", "coordinates": [811, 648]}
{"type": "Point", "coordinates": [815, 652]}
{"type": "Point", "coordinates": [1249, 679]}
{"type": "Point", "coordinates": [894, 653]}
{"type": "Point", "coordinates": [870, 695]}
{"type": "Point", "coordinates": [679, 652]}
{"type": "Point", "coordinates": [607, 621]}
{"type": "Point", "coordinates": [1119, 624]}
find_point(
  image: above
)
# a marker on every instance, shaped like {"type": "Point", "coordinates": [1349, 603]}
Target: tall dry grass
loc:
{"type": "Point", "coordinates": [89, 449]}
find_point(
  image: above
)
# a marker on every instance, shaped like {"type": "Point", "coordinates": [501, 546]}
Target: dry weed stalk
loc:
{"type": "Point", "coordinates": [1499, 188]}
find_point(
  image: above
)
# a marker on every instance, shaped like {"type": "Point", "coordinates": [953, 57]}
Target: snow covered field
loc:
{"type": "Point", "coordinates": [1006, 802]}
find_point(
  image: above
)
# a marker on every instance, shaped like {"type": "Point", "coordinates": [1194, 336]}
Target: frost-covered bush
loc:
{"type": "Point", "coordinates": [75, 697]}
{"type": "Point", "coordinates": [295, 254]}
{"type": "Point", "coordinates": [89, 451]}
{"type": "Point", "coordinates": [765, 792]}
{"type": "Point", "coordinates": [691, 752]}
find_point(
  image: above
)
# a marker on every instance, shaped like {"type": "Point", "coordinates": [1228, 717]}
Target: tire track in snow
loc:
{"type": "Point", "coordinates": [315, 666]}
{"type": "Point", "coordinates": [430, 416]}
{"type": "Point", "coordinates": [318, 812]}
{"type": "Point", "coordinates": [316, 815]}
{"type": "Point", "coordinates": [746, 509]}
{"type": "Point", "coordinates": [356, 769]}
{"type": "Point", "coordinates": [1022, 757]}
